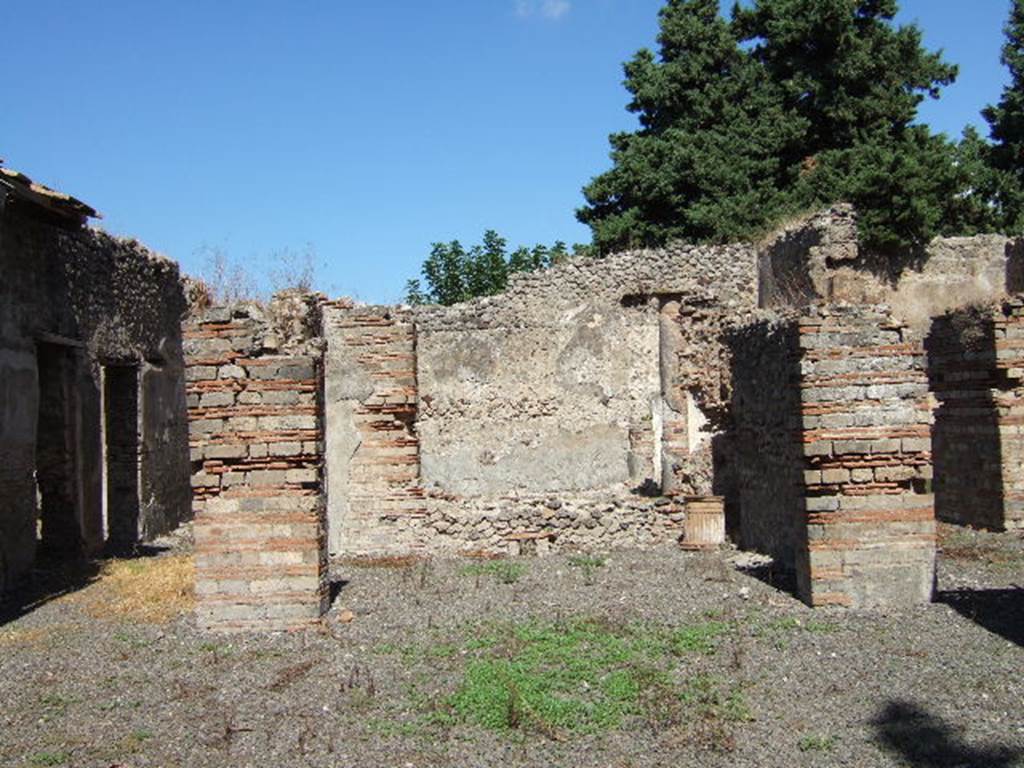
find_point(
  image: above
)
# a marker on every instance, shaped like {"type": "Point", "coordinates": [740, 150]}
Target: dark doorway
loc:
{"type": "Point", "coordinates": [121, 438]}
{"type": "Point", "coordinates": [60, 533]}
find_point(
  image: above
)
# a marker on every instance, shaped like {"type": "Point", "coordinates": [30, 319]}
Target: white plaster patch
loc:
{"type": "Point", "coordinates": [696, 422]}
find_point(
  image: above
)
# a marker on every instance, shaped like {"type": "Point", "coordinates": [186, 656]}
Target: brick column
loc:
{"type": "Point", "coordinates": [256, 435]}
{"type": "Point", "coordinates": [376, 502]}
{"type": "Point", "coordinates": [870, 534]}
{"type": "Point", "coordinates": [976, 367]}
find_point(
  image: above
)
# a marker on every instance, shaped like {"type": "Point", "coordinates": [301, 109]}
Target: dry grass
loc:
{"type": "Point", "coordinates": [964, 544]}
{"type": "Point", "coordinates": [151, 590]}
{"type": "Point", "coordinates": [23, 637]}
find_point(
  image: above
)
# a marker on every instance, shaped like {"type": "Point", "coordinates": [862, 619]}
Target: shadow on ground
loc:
{"type": "Point", "coordinates": [54, 577]}
{"type": "Point", "coordinates": [924, 740]}
{"type": "Point", "coordinates": [1000, 611]}
{"type": "Point", "coordinates": [774, 576]}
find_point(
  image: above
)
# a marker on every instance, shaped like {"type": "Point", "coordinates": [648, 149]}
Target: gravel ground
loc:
{"type": "Point", "coordinates": [934, 686]}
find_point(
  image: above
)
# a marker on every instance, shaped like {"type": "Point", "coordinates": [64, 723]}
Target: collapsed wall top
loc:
{"type": "Point", "coordinates": [22, 188]}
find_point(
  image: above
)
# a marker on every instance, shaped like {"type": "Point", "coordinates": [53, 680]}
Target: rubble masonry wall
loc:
{"type": "Point", "coordinates": [554, 412]}
{"type": "Point", "coordinates": [94, 300]}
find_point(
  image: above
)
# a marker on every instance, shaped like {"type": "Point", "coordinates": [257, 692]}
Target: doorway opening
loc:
{"type": "Point", "coordinates": [121, 441]}
{"type": "Point", "coordinates": [59, 530]}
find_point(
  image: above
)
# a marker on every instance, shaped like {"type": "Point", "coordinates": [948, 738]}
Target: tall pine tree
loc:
{"type": "Point", "coordinates": [853, 81]}
{"type": "Point", "coordinates": [794, 104]}
{"type": "Point", "coordinates": [1006, 120]}
{"type": "Point", "coordinates": [706, 161]}
{"type": "Point", "coordinates": [454, 274]}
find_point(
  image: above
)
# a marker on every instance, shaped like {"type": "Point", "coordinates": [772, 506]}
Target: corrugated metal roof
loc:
{"type": "Point", "coordinates": [21, 186]}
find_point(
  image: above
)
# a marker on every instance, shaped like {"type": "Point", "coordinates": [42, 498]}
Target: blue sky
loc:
{"type": "Point", "coordinates": [367, 130]}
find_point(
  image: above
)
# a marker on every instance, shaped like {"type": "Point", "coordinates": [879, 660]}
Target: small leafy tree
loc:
{"type": "Point", "coordinates": [453, 273]}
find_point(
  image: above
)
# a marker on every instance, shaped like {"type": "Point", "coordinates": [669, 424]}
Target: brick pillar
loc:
{"type": "Point", "coordinates": [976, 368]}
{"type": "Point", "coordinates": [371, 412]}
{"type": "Point", "coordinates": [256, 435]}
{"type": "Point", "coordinates": [1009, 338]}
{"type": "Point", "coordinates": [870, 533]}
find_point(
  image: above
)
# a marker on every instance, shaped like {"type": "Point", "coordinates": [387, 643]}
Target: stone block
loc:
{"type": "Point", "coordinates": [852, 447]}
{"type": "Point", "coordinates": [266, 477]}
{"type": "Point", "coordinates": [205, 426]}
{"type": "Point", "coordinates": [822, 503]}
{"type": "Point", "coordinates": [887, 445]}
{"type": "Point", "coordinates": [818, 448]}
{"type": "Point", "coordinates": [833, 476]}
{"type": "Point", "coordinates": [231, 372]}
{"type": "Point", "coordinates": [916, 445]}
{"type": "Point", "coordinates": [301, 475]}
{"type": "Point", "coordinates": [226, 451]}
{"type": "Point", "coordinates": [200, 373]}
{"type": "Point", "coordinates": [281, 398]}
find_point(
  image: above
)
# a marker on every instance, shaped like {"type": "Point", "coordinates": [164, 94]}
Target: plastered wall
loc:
{"type": "Point", "coordinates": [555, 411]}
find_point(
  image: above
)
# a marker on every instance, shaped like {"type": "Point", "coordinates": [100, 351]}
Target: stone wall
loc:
{"type": "Point", "coordinates": [819, 258]}
{"type": "Point", "coordinates": [867, 446]}
{"type": "Point", "coordinates": [592, 380]}
{"type": "Point", "coordinates": [255, 413]}
{"type": "Point", "coordinates": [976, 367]}
{"type": "Point", "coordinates": [73, 302]}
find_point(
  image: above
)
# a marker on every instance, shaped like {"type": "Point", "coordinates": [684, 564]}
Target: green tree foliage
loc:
{"type": "Point", "coordinates": [853, 81]}
{"type": "Point", "coordinates": [973, 209]}
{"type": "Point", "coordinates": [453, 274]}
{"type": "Point", "coordinates": [1006, 120]}
{"type": "Point", "coordinates": [792, 104]}
{"type": "Point", "coordinates": [705, 163]}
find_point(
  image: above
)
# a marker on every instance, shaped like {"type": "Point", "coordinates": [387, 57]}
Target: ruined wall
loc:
{"type": "Point", "coordinates": [867, 446]}
{"type": "Point", "coordinates": [542, 408]}
{"type": "Point", "coordinates": [818, 258]}
{"type": "Point", "coordinates": [79, 294]}
{"type": "Point", "coordinates": [256, 435]}
{"type": "Point", "coordinates": [471, 427]}
{"type": "Point", "coordinates": [976, 367]}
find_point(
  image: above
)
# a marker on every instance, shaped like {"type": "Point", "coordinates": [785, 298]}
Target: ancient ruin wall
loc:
{"type": "Point", "coordinates": [91, 300]}
{"type": "Point", "coordinates": [867, 446]}
{"type": "Point", "coordinates": [976, 368]}
{"type": "Point", "coordinates": [256, 427]}
{"type": "Point", "coordinates": [819, 258]}
{"type": "Point", "coordinates": [527, 411]}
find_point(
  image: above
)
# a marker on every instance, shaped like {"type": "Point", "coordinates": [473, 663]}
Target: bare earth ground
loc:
{"type": "Point", "coordinates": [643, 659]}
